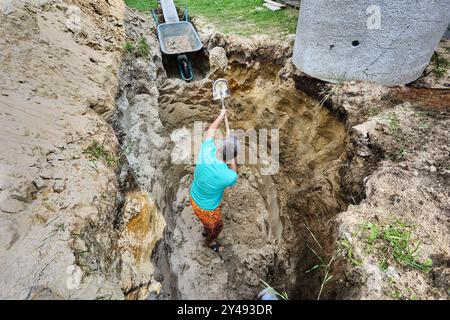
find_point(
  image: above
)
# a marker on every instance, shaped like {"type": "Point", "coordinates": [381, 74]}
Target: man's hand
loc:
{"type": "Point", "coordinates": [213, 127]}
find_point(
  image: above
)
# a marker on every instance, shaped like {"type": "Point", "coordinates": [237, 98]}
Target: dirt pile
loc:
{"type": "Point", "coordinates": [404, 151]}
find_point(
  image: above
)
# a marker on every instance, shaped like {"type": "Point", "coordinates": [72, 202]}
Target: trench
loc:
{"type": "Point", "coordinates": [277, 225]}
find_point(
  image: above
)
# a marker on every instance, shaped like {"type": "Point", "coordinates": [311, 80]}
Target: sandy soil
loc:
{"type": "Point", "coordinates": [58, 82]}
{"type": "Point", "coordinates": [178, 45]}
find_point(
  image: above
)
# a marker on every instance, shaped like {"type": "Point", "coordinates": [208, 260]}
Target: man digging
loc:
{"type": "Point", "coordinates": [211, 176]}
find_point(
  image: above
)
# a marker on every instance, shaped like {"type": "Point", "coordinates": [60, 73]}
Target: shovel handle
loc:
{"type": "Point", "coordinates": [226, 125]}
{"type": "Point", "coordinates": [226, 118]}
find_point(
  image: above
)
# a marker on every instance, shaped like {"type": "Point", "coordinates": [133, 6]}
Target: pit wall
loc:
{"type": "Point", "coordinates": [57, 209]}
{"type": "Point", "coordinates": [389, 42]}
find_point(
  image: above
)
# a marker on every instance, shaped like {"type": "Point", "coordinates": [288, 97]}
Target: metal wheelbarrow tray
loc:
{"type": "Point", "coordinates": [183, 29]}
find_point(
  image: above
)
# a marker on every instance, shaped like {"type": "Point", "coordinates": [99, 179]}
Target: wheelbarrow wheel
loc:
{"type": "Point", "coordinates": [185, 67]}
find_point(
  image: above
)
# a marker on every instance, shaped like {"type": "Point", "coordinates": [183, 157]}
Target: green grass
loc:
{"type": "Point", "coordinates": [321, 265]}
{"type": "Point", "coordinates": [395, 294]}
{"type": "Point", "coordinates": [348, 250]}
{"type": "Point", "coordinates": [243, 17]}
{"type": "Point", "coordinates": [142, 5]}
{"type": "Point", "coordinates": [141, 48]}
{"type": "Point", "coordinates": [96, 152]}
{"type": "Point", "coordinates": [394, 242]}
{"type": "Point", "coordinates": [128, 47]}
{"type": "Point", "coordinates": [282, 295]}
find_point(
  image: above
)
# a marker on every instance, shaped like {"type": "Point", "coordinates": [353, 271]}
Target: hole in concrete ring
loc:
{"type": "Point", "coordinates": [199, 61]}
{"type": "Point", "coordinates": [355, 43]}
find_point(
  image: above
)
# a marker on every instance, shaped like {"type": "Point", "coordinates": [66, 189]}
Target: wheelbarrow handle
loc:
{"type": "Point", "coordinates": [186, 13]}
{"type": "Point", "coordinates": [153, 11]}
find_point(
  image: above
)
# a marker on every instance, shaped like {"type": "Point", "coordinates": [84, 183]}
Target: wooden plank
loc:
{"type": "Point", "coordinates": [271, 7]}
{"type": "Point", "coordinates": [292, 3]}
{"type": "Point", "coordinates": [277, 4]}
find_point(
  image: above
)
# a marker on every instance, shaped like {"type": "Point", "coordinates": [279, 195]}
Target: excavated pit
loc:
{"type": "Point", "coordinates": [269, 219]}
{"type": "Point", "coordinates": [266, 217]}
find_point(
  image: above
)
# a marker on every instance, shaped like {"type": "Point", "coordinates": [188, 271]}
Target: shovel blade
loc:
{"type": "Point", "coordinates": [220, 89]}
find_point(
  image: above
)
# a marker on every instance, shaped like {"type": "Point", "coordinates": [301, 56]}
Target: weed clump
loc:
{"type": "Point", "coordinates": [441, 65]}
{"type": "Point", "coordinates": [141, 49]}
{"type": "Point", "coordinates": [394, 242]}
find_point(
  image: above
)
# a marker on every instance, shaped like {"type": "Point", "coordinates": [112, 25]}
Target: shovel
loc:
{"type": "Point", "coordinates": [220, 92]}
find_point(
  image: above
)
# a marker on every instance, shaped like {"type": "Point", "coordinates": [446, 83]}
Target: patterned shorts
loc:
{"type": "Point", "coordinates": [211, 219]}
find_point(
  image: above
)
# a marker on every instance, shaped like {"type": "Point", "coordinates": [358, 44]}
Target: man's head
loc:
{"type": "Point", "coordinates": [228, 148]}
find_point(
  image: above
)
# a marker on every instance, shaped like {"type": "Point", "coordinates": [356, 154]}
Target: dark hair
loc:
{"type": "Point", "coordinates": [230, 147]}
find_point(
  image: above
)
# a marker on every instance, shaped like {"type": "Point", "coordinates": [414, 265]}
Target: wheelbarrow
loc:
{"type": "Point", "coordinates": [177, 37]}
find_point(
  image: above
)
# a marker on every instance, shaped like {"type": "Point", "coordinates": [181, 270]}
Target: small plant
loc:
{"type": "Point", "coordinates": [96, 151]}
{"type": "Point", "coordinates": [394, 124]}
{"type": "Point", "coordinates": [128, 47]}
{"type": "Point", "coordinates": [395, 241]}
{"type": "Point", "coordinates": [326, 266]}
{"type": "Point", "coordinates": [143, 49]}
{"type": "Point", "coordinates": [395, 294]}
{"type": "Point", "coordinates": [442, 65]}
{"type": "Point", "coordinates": [282, 295]}
{"type": "Point", "coordinates": [348, 250]}
{"type": "Point", "coordinates": [327, 277]}
{"type": "Point", "coordinates": [374, 231]}
{"type": "Point", "coordinates": [373, 111]}
{"type": "Point", "coordinates": [400, 153]}
{"type": "Point", "coordinates": [403, 293]}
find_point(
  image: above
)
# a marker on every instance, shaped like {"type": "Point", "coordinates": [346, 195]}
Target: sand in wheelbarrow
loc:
{"type": "Point", "coordinates": [178, 44]}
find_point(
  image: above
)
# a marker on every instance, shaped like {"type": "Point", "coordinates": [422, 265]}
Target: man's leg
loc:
{"type": "Point", "coordinates": [214, 232]}
{"type": "Point", "coordinates": [215, 226]}
{"type": "Point", "coordinates": [212, 225]}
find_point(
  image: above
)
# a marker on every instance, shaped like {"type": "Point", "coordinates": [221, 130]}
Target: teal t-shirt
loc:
{"type": "Point", "coordinates": [211, 177]}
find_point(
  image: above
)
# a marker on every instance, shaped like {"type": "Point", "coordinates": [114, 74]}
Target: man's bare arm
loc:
{"type": "Point", "coordinates": [213, 127]}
